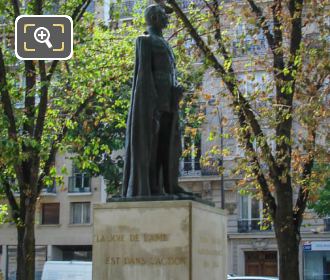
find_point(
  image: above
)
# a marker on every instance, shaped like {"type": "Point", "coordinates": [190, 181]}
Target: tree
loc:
{"type": "Point", "coordinates": [42, 103]}
{"type": "Point", "coordinates": [298, 62]}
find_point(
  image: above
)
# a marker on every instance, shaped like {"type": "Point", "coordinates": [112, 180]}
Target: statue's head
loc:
{"type": "Point", "coordinates": [156, 16]}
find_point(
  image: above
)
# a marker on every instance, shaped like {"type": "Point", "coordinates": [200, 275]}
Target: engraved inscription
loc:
{"type": "Point", "coordinates": [153, 260]}
{"type": "Point", "coordinates": [109, 238]}
{"type": "Point", "coordinates": [133, 237]}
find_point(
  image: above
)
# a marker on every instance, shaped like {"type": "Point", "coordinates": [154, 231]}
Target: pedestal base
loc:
{"type": "Point", "coordinates": [159, 240]}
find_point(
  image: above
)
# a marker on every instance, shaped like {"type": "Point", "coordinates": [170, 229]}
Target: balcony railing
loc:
{"type": "Point", "coordinates": [327, 224]}
{"type": "Point", "coordinates": [125, 8]}
{"type": "Point", "coordinates": [79, 183]}
{"type": "Point", "coordinates": [201, 3]}
{"type": "Point", "coordinates": [213, 167]}
{"type": "Point", "coordinates": [190, 168]}
{"type": "Point", "coordinates": [193, 168]}
{"type": "Point", "coordinates": [249, 47]}
{"type": "Point", "coordinates": [248, 225]}
{"type": "Point", "coordinates": [186, 3]}
{"type": "Point", "coordinates": [210, 171]}
{"type": "Point", "coordinates": [49, 189]}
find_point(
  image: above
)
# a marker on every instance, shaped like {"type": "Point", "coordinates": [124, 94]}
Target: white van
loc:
{"type": "Point", "coordinates": [67, 270]}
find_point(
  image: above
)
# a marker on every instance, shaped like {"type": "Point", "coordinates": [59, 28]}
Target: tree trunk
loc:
{"type": "Point", "coordinates": [288, 248]}
{"type": "Point", "coordinates": [29, 241]}
{"type": "Point", "coordinates": [26, 244]}
{"type": "Point", "coordinates": [19, 253]}
{"type": "Point", "coordinates": [287, 235]}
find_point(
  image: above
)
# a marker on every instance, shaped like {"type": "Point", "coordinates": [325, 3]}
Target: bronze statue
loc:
{"type": "Point", "coordinates": [152, 137]}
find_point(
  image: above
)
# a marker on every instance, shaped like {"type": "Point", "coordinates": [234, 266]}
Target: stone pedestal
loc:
{"type": "Point", "coordinates": [159, 240]}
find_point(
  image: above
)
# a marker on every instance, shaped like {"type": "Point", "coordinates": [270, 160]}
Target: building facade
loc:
{"type": "Point", "coordinates": [64, 220]}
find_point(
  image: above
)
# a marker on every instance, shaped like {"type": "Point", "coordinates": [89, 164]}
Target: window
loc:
{"type": "Point", "coordinates": [80, 181]}
{"type": "Point", "coordinates": [251, 214]}
{"type": "Point", "coordinates": [327, 224]}
{"type": "Point", "coordinates": [80, 212]}
{"type": "Point", "coordinates": [190, 165]}
{"type": "Point", "coordinates": [317, 263]}
{"type": "Point", "coordinates": [247, 44]}
{"type": "Point", "coordinates": [50, 214]}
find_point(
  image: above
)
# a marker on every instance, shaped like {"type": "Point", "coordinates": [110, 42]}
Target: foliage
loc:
{"type": "Point", "coordinates": [269, 62]}
{"type": "Point", "coordinates": [320, 200]}
{"type": "Point", "coordinates": [322, 205]}
{"type": "Point", "coordinates": [3, 213]}
{"type": "Point", "coordinates": [51, 106]}
{"type": "Point", "coordinates": [100, 129]}
{"type": "Point", "coordinates": [231, 40]}
{"type": "Point", "coordinates": [107, 56]}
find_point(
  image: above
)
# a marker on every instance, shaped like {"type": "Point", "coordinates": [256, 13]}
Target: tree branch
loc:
{"type": "Point", "coordinates": [76, 16]}
{"type": "Point", "coordinates": [262, 23]}
{"type": "Point", "coordinates": [278, 39]}
{"type": "Point", "coordinates": [257, 170]}
{"type": "Point", "coordinates": [38, 7]}
{"type": "Point", "coordinates": [53, 150]}
{"type": "Point", "coordinates": [29, 102]}
{"type": "Point", "coordinates": [82, 11]}
{"type": "Point", "coordinates": [43, 101]}
{"type": "Point", "coordinates": [6, 101]}
{"type": "Point", "coordinates": [303, 194]}
{"type": "Point", "coordinates": [218, 36]}
{"type": "Point", "coordinates": [11, 198]}
{"type": "Point", "coordinates": [46, 78]}
{"type": "Point", "coordinates": [9, 113]}
{"type": "Point", "coordinates": [274, 42]}
{"type": "Point", "coordinates": [295, 8]}
{"type": "Point", "coordinates": [231, 83]}
{"type": "Point", "coordinates": [16, 5]}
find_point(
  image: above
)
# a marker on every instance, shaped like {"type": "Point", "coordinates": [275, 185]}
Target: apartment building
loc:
{"type": "Point", "coordinates": [252, 248]}
{"type": "Point", "coordinates": [64, 220]}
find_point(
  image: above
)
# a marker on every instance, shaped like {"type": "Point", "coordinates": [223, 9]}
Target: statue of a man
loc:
{"type": "Point", "coordinates": [152, 137]}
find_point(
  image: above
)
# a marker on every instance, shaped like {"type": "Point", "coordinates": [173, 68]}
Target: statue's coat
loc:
{"type": "Point", "coordinates": [154, 78]}
{"type": "Point", "coordinates": [139, 124]}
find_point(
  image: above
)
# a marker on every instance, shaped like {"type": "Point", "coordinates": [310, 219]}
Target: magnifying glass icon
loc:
{"type": "Point", "coordinates": [41, 35]}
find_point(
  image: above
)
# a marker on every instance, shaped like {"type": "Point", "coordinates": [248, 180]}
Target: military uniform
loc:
{"type": "Point", "coordinates": [152, 137]}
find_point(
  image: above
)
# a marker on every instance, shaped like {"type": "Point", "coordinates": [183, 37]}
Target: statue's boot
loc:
{"type": "Point", "coordinates": [179, 191]}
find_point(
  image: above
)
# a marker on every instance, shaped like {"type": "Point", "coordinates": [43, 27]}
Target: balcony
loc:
{"type": "Point", "coordinates": [190, 168]}
{"type": "Point", "coordinates": [194, 168]}
{"type": "Point", "coordinates": [201, 3]}
{"type": "Point", "coordinates": [80, 183]}
{"type": "Point", "coordinates": [250, 225]}
{"type": "Point", "coordinates": [327, 224]}
{"type": "Point", "coordinates": [249, 47]}
{"type": "Point", "coordinates": [186, 3]}
{"type": "Point", "coordinates": [49, 190]}
{"type": "Point", "coordinates": [125, 8]}
{"type": "Point", "coordinates": [210, 171]}
{"type": "Point", "coordinates": [213, 168]}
